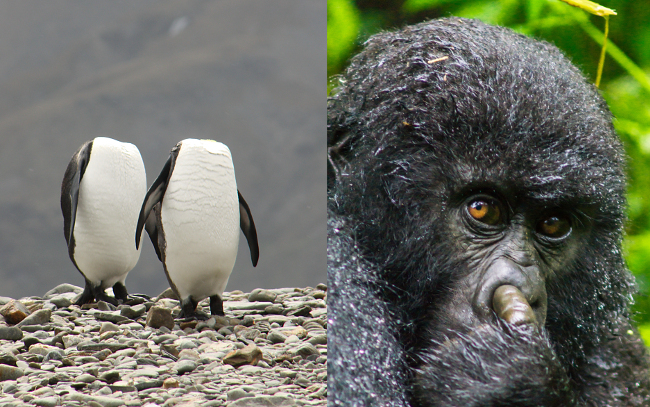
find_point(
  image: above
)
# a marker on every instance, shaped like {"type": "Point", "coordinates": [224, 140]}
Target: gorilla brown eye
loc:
{"type": "Point", "coordinates": [485, 211]}
{"type": "Point", "coordinates": [555, 226]}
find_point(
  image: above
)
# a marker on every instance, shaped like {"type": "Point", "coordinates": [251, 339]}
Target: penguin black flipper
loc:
{"type": "Point", "coordinates": [156, 194]}
{"type": "Point", "coordinates": [152, 227]}
{"type": "Point", "coordinates": [248, 227]}
{"type": "Point", "coordinates": [70, 191]}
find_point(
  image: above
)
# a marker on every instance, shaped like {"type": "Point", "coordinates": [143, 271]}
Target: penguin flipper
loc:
{"type": "Point", "coordinates": [155, 193]}
{"type": "Point", "coordinates": [70, 188]}
{"type": "Point", "coordinates": [151, 226]}
{"type": "Point", "coordinates": [248, 227]}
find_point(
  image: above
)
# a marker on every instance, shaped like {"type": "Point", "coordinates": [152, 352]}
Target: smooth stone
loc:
{"type": "Point", "coordinates": [170, 383]}
{"type": "Point", "coordinates": [110, 376]}
{"type": "Point", "coordinates": [149, 384]}
{"type": "Point", "coordinates": [71, 340]}
{"type": "Point", "coordinates": [190, 354]}
{"type": "Point", "coordinates": [8, 358]}
{"type": "Point", "coordinates": [14, 311]}
{"type": "Point", "coordinates": [111, 316]}
{"type": "Point", "coordinates": [37, 318]}
{"type": "Point", "coordinates": [305, 350]}
{"type": "Point", "coordinates": [133, 312]}
{"type": "Point", "coordinates": [62, 289]}
{"type": "Point", "coordinates": [275, 336]}
{"type": "Point", "coordinates": [250, 354]}
{"type": "Point", "coordinates": [236, 394]}
{"type": "Point", "coordinates": [53, 355]}
{"type": "Point", "coordinates": [158, 317]}
{"type": "Point", "coordinates": [318, 340]}
{"type": "Point", "coordinates": [245, 305]}
{"type": "Point", "coordinates": [11, 333]}
{"type": "Point", "coordinates": [61, 301]}
{"type": "Point", "coordinates": [264, 401]}
{"type": "Point", "coordinates": [261, 295]}
{"type": "Point", "coordinates": [10, 373]}
{"type": "Point", "coordinates": [304, 311]}
{"type": "Point", "coordinates": [51, 401]}
{"type": "Point", "coordinates": [185, 366]}
{"type": "Point", "coordinates": [101, 400]}
{"type": "Point", "coordinates": [108, 327]}
{"type": "Point", "coordinates": [94, 346]}
{"type": "Point", "coordinates": [85, 378]}
{"type": "Point", "coordinates": [274, 309]}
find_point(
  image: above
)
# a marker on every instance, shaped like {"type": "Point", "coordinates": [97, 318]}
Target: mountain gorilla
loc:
{"type": "Point", "coordinates": [476, 205]}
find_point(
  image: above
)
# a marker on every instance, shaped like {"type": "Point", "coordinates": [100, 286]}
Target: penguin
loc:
{"type": "Point", "coordinates": [101, 194]}
{"type": "Point", "coordinates": [193, 212]}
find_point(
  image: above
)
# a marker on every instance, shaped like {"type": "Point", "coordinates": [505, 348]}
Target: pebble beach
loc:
{"type": "Point", "coordinates": [269, 350]}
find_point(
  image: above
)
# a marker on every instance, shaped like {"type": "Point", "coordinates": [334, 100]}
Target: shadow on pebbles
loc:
{"type": "Point", "coordinates": [269, 350]}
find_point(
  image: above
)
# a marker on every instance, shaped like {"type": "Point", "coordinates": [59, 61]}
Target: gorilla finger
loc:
{"type": "Point", "coordinates": [510, 305]}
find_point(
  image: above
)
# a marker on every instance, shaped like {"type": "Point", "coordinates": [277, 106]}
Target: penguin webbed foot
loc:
{"type": "Point", "coordinates": [86, 296]}
{"type": "Point", "coordinates": [189, 312]}
{"type": "Point", "coordinates": [93, 293]}
{"type": "Point", "coordinates": [119, 290]}
{"type": "Point", "coordinates": [216, 306]}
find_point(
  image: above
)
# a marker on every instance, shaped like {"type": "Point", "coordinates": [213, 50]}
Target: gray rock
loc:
{"type": "Point", "coordinates": [10, 373]}
{"type": "Point", "coordinates": [236, 394]}
{"type": "Point", "coordinates": [101, 400]}
{"type": "Point", "coordinates": [39, 317]}
{"type": "Point", "coordinates": [110, 376]}
{"type": "Point", "coordinates": [94, 346]}
{"type": "Point", "coordinates": [158, 317]}
{"type": "Point", "coordinates": [53, 355]}
{"type": "Point", "coordinates": [264, 401]}
{"type": "Point", "coordinates": [149, 384]}
{"type": "Point", "coordinates": [51, 401]}
{"type": "Point", "coordinates": [8, 358]}
{"type": "Point", "coordinates": [11, 333]}
{"type": "Point", "coordinates": [275, 336]}
{"type": "Point", "coordinates": [108, 326]}
{"type": "Point", "coordinates": [261, 295]}
{"type": "Point", "coordinates": [277, 309]}
{"type": "Point", "coordinates": [133, 312]}
{"type": "Point", "coordinates": [62, 288]}
{"type": "Point", "coordinates": [61, 301]}
{"type": "Point", "coordinates": [318, 340]}
{"type": "Point", "coordinates": [185, 365]}
{"type": "Point", "coordinates": [111, 316]}
{"type": "Point", "coordinates": [85, 378]}
{"type": "Point", "coordinates": [305, 350]}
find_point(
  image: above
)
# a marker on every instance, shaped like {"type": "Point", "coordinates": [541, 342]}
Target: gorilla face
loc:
{"type": "Point", "coordinates": [476, 204]}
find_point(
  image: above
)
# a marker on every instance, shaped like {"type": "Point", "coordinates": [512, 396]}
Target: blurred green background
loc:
{"type": "Point", "coordinates": [625, 83]}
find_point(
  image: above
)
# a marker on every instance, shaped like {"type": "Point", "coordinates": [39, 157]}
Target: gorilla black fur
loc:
{"type": "Point", "coordinates": [422, 118]}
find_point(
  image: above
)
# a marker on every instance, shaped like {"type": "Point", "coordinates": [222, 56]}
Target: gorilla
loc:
{"type": "Point", "coordinates": [475, 216]}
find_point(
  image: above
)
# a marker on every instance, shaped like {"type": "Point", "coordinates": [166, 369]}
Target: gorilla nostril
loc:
{"type": "Point", "coordinates": [510, 305]}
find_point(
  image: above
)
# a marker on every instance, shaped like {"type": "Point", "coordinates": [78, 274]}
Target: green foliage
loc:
{"type": "Point", "coordinates": [625, 83]}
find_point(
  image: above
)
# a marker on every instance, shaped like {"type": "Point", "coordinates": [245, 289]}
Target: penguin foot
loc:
{"type": "Point", "coordinates": [196, 315]}
{"type": "Point", "coordinates": [86, 296]}
{"type": "Point", "coordinates": [216, 306]}
{"type": "Point", "coordinates": [119, 290]}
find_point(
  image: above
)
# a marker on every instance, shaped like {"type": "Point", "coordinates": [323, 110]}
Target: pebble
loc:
{"type": "Point", "coordinates": [102, 355]}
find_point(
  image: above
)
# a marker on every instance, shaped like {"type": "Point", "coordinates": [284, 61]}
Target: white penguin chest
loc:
{"type": "Point", "coordinates": [110, 195]}
{"type": "Point", "coordinates": [200, 220]}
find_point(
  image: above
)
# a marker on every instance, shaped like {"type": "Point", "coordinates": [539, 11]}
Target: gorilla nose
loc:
{"type": "Point", "coordinates": [516, 293]}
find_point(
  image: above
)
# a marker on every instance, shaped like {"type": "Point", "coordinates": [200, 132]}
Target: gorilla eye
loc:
{"type": "Point", "coordinates": [485, 210]}
{"type": "Point", "coordinates": [554, 226]}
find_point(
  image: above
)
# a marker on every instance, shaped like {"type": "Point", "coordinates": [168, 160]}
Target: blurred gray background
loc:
{"type": "Point", "coordinates": [249, 73]}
